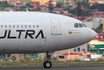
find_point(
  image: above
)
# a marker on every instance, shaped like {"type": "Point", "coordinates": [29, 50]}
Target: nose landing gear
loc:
{"type": "Point", "coordinates": [47, 64]}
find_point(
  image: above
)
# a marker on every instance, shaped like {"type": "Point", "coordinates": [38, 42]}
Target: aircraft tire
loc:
{"type": "Point", "coordinates": [47, 64]}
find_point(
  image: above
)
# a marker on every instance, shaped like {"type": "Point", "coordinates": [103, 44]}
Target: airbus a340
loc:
{"type": "Point", "coordinates": [35, 32]}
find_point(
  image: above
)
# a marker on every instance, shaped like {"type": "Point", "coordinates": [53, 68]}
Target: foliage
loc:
{"type": "Point", "coordinates": [50, 7]}
{"type": "Point", "coordinates": [29, 5]}
{"type": "Point", "coordinates": [55, 58]}
{"type": "Point", "coordinates": [17, 8]}
{"type": "Point", "coordinates": [75, 63]}
{"type": "Point", "coordinates": [7, 59]}
{"type": "Point", "coordinates": [22, 60]}
{"type": "Point", "coordinates": [70, 15]}
{"type": "Point", "coordinates": [79, 9]}
{"type": "Point", "coordinates": [77, 60]}
{"type": "Point", "coordinates": [61, 2]}
{"type": "Point", "coordinates": [101, 59]}
{"type": "Point", "coordinates": [100, 27]}
{"type": "Point", "coordinates": [58, 5]}
{"type": "Point", "coordinates": [100, 7]}
{"type": "Point", "coordinates": [27, 1]}
{"type": "Point", "coordinates": [57, 63]}
{"type": "Point", "coordinates": [38, 8]}
{"type": "Point", "coordinates": [95, 6]}
{"type": "Point", "coordinates": [13, 58]}
{"type": "Point", "coordinates": [85, 4]}
{"type": "Point", "coordinates": [97, 30]}
{"type": "Point", "coordinates": [27, 59]}
{"type": "Point", "coordinates": [23, 8]}
{"type": "Point", "coordinates": [72, 11]}
{"type": "Point", "coordinates": [5, 4]}
{"type": "Point", "coordinates": [85, 12]}
{"type": "Point", "coordinates": [76, 1]}
{"type": "Point", "coordinates": [37, 3]}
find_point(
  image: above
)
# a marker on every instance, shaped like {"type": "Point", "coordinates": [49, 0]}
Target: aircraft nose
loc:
{"type": "Point", "coordinates": [93, 34]}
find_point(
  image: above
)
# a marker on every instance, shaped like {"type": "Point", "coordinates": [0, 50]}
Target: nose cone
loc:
{"type": "Point", "coordinates": [93, 34]}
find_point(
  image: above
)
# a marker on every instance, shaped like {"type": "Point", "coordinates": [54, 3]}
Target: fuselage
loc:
{"type": "Point", "coordinates": [35, 32]}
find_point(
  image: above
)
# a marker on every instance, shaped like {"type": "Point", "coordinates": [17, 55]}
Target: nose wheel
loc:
{"type": "Point", "coordinates": [47, 64]}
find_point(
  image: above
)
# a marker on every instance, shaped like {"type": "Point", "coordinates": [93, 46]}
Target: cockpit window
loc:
{"type": "Point", "coordinates": [76, 25]}
{"type": "Point", "coordinates": [80, 25]}
{"type": "Point", "coordinates": [84, 25]}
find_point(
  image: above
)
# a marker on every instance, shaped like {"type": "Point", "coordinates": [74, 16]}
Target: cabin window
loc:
{"type": "Point", "coordinates": [13, 26]}
{"type": "Point", "coordinates": [84, 25]}
{"type": "Point", "coordinates": [25, 26]}
{"type": "Point", "coordinates": [76, 25]}
{"type": "Point", "coordinates": [17, 26]}
{"type": "Point", "coordinates": [33, 26]}
{"type": "Point", "coordinates": [37, 26]}
{"type": "Point", "coordinates": [80, 25]}
{"type": "Point", "coordinates": [5, 26]}
{"type": "Point", "coordinates": [21, 26]}
{"type": "Point", "coordinates": [29, 26]}
{"type": "Point", "coordinates": [9, 26]}
{"type": "Point", "coordinates": [1, 26]}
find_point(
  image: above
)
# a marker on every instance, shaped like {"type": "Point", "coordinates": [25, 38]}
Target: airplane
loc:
{"type": "Point", "coordinates": [37, 32]}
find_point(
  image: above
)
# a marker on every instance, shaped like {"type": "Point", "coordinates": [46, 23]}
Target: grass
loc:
{"type": "Point", "coordinates": [53, 62]}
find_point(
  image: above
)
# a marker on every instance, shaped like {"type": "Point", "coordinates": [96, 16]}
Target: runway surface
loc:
{"type": "Point", "coordinates": [56, 68]}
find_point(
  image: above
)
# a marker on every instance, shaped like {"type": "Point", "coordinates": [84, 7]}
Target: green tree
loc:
{"type": "Point", "coordinates": [95, 6]}
{"type": "Point", "coordinates": [101, 7]}
{"type": "Point", "coordinates": [85, 6]}
{"type": "Point", "coordinates": [5, 4]}
{"type": "Point", "coordinates": [58, 5]}
{"type": "Point", "coordinates": [79, 9]}
{"type": "Point", "coordinates": [27, 1]}
{"type": "Point", "coordinates": [29, 5]}
{"type": "Point", "coordinates": [7, 59]}
{"type": "Point", "coordinates": [87, 1]}
{"type": "Point", "coordinates": [85, 12]}
{"type": "Point", "coordinates": [72, 11]}
{"type": "Point", "coordinates": [37, 3]}
{"type": "Point", "coordinates": [38, 8]}
{"type": "Point", "coordinates": [76, 1]}
{"type": "Point", "coordinates": [13, 58]}
{"type": "Point", "coordinates": [61, 2]}
{"type": "Point", "coordinates": [50, 7]}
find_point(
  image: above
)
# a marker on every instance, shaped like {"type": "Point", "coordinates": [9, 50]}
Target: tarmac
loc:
{"type": "Point", "coordinates": [56, 68]}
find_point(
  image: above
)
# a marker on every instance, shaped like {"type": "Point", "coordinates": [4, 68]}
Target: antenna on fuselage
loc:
{"type": "Point", "coordinates": [11, 10]}
{"type": "Point", "coordinates": [27, 9]}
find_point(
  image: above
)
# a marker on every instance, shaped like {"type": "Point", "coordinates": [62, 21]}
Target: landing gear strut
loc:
{"type": "Point", "coordinates": [47, 64]}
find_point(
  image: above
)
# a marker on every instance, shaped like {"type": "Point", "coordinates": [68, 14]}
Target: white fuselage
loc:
{"type": "Point", "coordinates": [35, 32]}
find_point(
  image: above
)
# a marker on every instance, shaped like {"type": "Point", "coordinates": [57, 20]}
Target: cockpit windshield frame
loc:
{"type": "Point", "coordinates": [76, 25]}
{"type": "Point", "coordinates": [84, 25]}
{"type": "Point", "coordinates": [80, 25]}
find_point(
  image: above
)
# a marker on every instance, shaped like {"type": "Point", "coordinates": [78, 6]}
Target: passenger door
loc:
{"type": "Point", "coordinates": [55, 25]}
